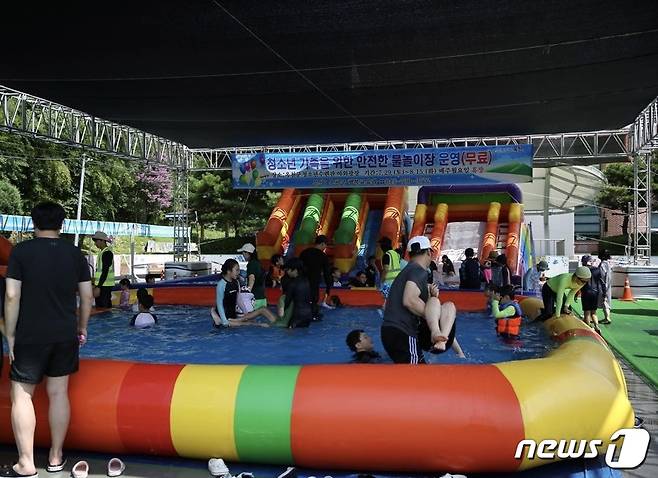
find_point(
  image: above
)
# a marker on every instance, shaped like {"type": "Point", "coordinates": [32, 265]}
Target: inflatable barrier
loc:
{"type": "Point", "coordinates": [435, 418]}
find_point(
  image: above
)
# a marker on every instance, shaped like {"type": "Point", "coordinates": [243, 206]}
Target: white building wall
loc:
{"type": "Point", "coordinates": [560, 227]}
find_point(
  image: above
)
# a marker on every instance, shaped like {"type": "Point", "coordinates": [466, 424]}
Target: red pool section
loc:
{"type": "Point", "coordinates": [467, 301]}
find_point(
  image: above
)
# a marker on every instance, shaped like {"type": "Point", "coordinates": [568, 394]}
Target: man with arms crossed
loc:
{"type": "Point", "coordinates": [414, 318]}
{"type": "Point", "coordinates": [43, 332]}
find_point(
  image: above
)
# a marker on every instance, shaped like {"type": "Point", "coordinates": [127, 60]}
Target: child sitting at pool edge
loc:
{"type": "Point", "coordinates": [124, 298]}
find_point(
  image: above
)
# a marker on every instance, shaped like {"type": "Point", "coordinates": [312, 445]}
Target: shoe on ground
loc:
{"type": "Point", "coordinates": [217, 467]}
{"type": "Point", "coordinates": [80, 470]}
{"type": "Point", "coordinates": [115, 467]}
{"type": "Point", "coordinates": [291, 472]}
{"type": "Point", "coordinates": [9, 471]}
{"type": "Point", "coordinates": [50, 468]}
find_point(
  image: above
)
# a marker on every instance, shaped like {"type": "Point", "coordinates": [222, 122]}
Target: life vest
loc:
{"type": "Point", "coordinates": [109, 280]}
{"type": "Point", "coordinates": [393, 266]}
{"type": "Point", "coordinates": [510, 325]}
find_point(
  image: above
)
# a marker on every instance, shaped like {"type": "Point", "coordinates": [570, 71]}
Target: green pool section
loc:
{"type": "Point", "coordinates": [263, 413]}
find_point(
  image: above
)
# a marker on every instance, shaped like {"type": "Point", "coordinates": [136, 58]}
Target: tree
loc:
{"type": "Point", "coordinates": [619, 191]}
{"type": "Point", "coordinates": [217, 203]}
{"type": "Point", "coordinates": [154, 190]}
{"type": "Point", "coordinates": [10, 198]}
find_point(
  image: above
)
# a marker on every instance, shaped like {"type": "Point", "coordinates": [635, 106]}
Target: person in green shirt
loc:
{"type": "Point", "coordinates": [554, 291]}
{"type": "Point", "coordinates": [255, 277]}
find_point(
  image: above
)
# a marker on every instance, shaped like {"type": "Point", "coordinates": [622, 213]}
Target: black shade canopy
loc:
{"type": "Point", "coordinates": [368, 69]}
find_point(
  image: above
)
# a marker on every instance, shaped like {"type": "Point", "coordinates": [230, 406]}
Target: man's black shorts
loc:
{"type": "Point", "coordinates": [401, 347]}
{"type": "Point", "coordinates": [33, 361]}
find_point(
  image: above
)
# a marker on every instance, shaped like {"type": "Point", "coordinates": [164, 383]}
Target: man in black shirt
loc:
{"type": "Point", "coordinates": [43, 333]}
{"type": "Point", "coordinates": [469, 272]}
{"type": "Point", "coordinates": [414, 318]}
{"type": "Point", "coordinates": [298, 295]}
{"type": "Point", "coordinates": [317, 267]}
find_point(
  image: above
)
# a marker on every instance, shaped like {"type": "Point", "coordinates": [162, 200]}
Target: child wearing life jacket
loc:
{"type": "Point", "coordinates": [507, 312]}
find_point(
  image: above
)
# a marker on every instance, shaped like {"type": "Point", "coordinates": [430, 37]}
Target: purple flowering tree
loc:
{"type": "Point", "coordinates": [154, 183]}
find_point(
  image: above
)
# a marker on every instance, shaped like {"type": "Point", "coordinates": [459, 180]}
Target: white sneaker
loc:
{"type": "Point", "coordinates": [327, 306]}
{"type": "Point", "coordinates": [449, 475]}
{"type": "Point", "coordinates": [217, 467]}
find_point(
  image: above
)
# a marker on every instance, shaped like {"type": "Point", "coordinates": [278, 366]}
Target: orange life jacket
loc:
{"type": "Point", "coordinates": [510, 326]}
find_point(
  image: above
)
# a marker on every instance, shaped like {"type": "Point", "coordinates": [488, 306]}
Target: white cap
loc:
{"type": "Point", "coordinates": [419, 243]}
{"type": "Point", "coordinates": [248, 247]}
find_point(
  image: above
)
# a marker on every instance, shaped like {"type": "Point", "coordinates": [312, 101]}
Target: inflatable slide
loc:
{"type": "Point", "coordinates": [494, 212]}
{"type": "Point", "coordinates": [353, 220]}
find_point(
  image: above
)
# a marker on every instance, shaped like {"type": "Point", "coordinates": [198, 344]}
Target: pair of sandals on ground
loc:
{"type": "Point", "coordinates": [115, 467]}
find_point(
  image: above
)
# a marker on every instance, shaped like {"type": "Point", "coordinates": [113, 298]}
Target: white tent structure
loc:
{"type": "Point", "coordinates": [561, 188]}
{"type": "Point", "coordinates": [549, 202]}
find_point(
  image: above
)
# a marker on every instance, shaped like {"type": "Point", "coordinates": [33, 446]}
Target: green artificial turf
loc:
{"type": "Point", "coordinates": [634, 334]}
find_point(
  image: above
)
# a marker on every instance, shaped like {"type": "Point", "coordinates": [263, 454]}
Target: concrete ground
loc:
{"type": "Point", "coordinates": [645, 403]}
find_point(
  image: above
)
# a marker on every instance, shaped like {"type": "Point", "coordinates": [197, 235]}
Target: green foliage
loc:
{"type": "Point", "coordinates": [219, 205]}
{"type": "Point", "coordinates": [32, 170]}
{"type": "Point", "coordinates": [10, 198]}
{"type": "Point", "coordinates": [619, 190]}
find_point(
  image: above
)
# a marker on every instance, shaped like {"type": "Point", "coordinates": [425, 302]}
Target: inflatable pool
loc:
{"type": "Point", "coordinates": [458, 418]}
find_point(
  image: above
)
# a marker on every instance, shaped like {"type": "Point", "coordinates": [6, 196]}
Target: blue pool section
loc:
{"type": "Point", "coordinates": [184, 335]}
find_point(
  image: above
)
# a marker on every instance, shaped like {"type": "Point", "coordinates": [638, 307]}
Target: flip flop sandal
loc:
{"type": "Point", "coordinates": [80, 470]}
{"type": "Point", "coordinates": [115, 467]}
{"type": "Point", "coordinates": [9, 471]}
{"type": "Point", "coordinates": [55, 468]}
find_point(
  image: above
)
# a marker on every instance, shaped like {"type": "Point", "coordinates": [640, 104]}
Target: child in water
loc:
{"type": "Point", "coordinates": [507, 312]}
{"type": "Point", "coordinates": [144, 318]}
{"type": "Point", "coordinates": [124, 299]}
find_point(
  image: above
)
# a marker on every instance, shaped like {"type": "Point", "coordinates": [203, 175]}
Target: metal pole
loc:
{"type": "Point", "coordinates": [80, 192]}
{"type": "Point", "coordinates": [632, 255]}
{"type": "Point", "coordinates": [132, 257]}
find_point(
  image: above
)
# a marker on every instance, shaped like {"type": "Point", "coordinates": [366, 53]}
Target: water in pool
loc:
{"type": "Point", "coordinates": [184, 335]}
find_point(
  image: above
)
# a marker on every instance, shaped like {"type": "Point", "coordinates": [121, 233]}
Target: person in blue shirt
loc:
{"type": "Point", "coordinates": [225, 314]}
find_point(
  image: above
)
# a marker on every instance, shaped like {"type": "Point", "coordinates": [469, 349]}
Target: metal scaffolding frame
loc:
{"type": "Point", "coordinates": [644, 142]}
{"type": "Point", "coordinates": [35, 117]}
{"type": "Point", "coordinates": [31, 116]}
{"type": "Point", "coordinates": [594, 147]}
{"type": "Point", "coordinates": [180, 216]}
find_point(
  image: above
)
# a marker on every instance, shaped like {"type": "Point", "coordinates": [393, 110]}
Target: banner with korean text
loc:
{"type": "Point", "coordinates": [384, 168]}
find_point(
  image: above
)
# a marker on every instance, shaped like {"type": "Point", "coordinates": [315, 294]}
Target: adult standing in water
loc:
{"type": "Point", "coordinates": [317, 267]}
{"type": "Point", "coordinates": [104, 275]}
{"type": "Point", "coordinates": [43, 332]}
{"type": "Point", "coordinates": [255, 275]}
{"type": "Point", "coordinates": [414, 318]}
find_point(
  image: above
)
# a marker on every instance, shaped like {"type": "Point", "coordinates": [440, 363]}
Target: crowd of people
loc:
{"type": "Point", "coordinates": [49, 290]}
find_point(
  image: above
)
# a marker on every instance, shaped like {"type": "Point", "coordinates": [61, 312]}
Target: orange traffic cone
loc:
{"type": "Point", "coordinates": [628, 294]}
